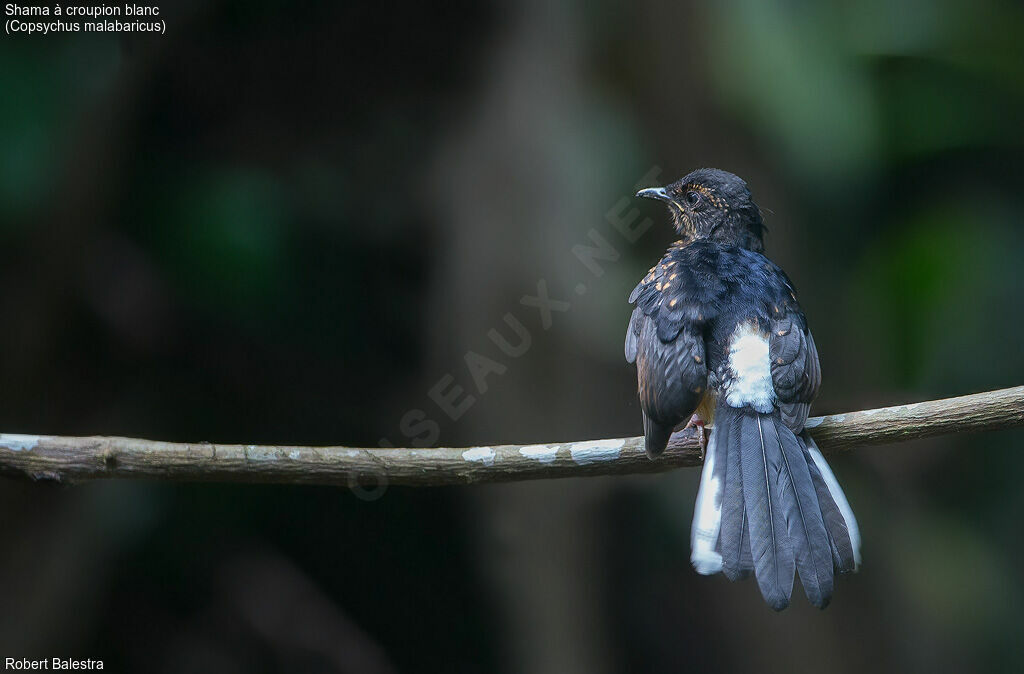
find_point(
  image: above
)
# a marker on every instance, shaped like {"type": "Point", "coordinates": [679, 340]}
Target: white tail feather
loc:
{"type": "Point", "coordinates": [838, 496]}
{"type": "Point", "coordinates": [707, 517]}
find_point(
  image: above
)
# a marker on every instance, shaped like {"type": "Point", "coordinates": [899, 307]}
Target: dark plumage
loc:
{"type": "Point", "coordinates": [717, 327]}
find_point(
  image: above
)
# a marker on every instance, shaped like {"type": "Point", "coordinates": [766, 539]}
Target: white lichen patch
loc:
{"type": "Point", "coordinates": [18, 443]}
{"type": "Point", "coordinates": [484, 455]}
{"type": "Point", "coordinates": [542, 453]}
{"type": "Point", "coordinates": [814, 422]}
{"type": "Point", "coordinates": [596, 450]}
{"type": "Point", "coordinates": [295, 455]}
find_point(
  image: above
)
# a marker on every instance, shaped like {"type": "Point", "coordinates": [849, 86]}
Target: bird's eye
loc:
{"type": "Point", "coordinates": [692, 198]}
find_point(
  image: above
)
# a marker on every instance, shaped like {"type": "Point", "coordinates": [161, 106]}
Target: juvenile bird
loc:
{"type": "Point", "coordinates": [718, 337]}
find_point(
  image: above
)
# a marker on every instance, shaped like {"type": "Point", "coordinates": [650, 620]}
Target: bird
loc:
{"type": "Point", "coordinates": [718, 338]}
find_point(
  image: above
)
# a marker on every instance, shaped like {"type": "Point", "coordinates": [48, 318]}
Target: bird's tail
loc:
{"type": "Point", "coordinates": [768, 504]}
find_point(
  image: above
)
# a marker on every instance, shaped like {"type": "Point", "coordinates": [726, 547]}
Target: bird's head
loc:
{"type": "Point", "coordinates": [714, 205]}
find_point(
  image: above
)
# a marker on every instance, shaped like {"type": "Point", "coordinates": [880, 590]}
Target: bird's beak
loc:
{"type": "Point", "coordinates": [658, 193]}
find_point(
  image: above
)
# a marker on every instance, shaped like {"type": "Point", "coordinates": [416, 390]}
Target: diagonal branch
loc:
{"type": "Point", "coordinates": [73, 459]}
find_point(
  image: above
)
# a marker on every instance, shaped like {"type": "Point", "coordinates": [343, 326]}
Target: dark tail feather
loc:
{"type": "Point", "coordinates": [762, 464]}
{"type": "Point", "coordinates": [655, 437]}
{"type": "Point", "coordinates": [734, 531]}
{"type": "Point", "coordinates": [799, 501]}
{"type": "Point", "coordinates": [734, 541]}
{"type": "Point", "coordinates": [746, 565]}
{"type": "Point", "coordinates": [843, 537]}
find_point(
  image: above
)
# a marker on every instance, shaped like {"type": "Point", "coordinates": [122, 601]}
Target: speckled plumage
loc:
{"type": "Point", "coordinates": [707, 289]}
{"type": "Point", "coordinates": [717, 325]}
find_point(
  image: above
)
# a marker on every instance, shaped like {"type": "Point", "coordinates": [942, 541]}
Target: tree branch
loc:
{"type": "Point", "coordinates": [73, 459]}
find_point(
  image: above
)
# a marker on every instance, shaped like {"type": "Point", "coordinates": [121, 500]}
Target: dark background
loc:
{"type": "Point", "coordinates": [284, 222]}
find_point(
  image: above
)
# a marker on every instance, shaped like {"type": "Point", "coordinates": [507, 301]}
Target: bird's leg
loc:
{"type": "Point", "coordinates": [702, 438]}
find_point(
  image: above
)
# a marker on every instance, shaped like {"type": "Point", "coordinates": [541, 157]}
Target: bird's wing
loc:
{"type": "Point", "coordinates": [665, 335]}
{"type": "Point", "coordinates": [796, 372]}
{"type": "Point", "coordinates": [636, 324]}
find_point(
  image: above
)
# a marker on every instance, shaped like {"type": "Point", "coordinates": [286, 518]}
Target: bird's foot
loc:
{"type": "Point", "coordinates": [702, 436]}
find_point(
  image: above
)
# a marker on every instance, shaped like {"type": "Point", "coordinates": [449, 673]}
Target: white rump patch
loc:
{"type": "Point", "coordinates": [838, 496]}
{"type": "Point", "coordinates": [707, 517]}
{"type": "Point", "coordinates": [751, 370]}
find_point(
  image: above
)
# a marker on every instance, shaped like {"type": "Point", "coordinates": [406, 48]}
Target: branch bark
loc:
{"type": "Point", "coordinates": [79, 459]}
